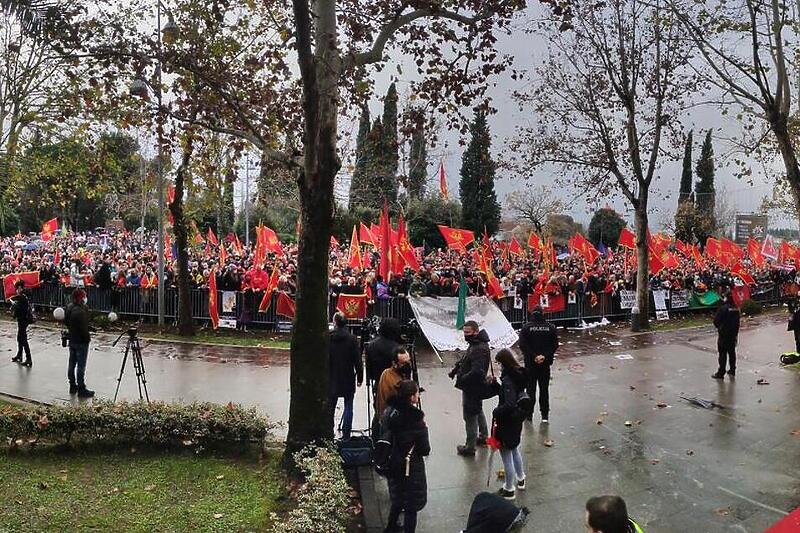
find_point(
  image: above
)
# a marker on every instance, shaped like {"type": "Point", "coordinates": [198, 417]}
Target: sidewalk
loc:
{"type": "Point", "coordinates": [679, 467]}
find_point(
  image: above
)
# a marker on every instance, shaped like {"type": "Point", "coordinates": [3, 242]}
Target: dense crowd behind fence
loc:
{"type": "Point", "coordinates": [134, 303]}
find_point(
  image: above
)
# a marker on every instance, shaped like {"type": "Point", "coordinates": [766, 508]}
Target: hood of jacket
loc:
{"type": "Point", "coordinates": [405, 415]}
{"type": "Point", "coordinates": [482, 336]}
{"type": "Point", "coordinates": [340, 334]}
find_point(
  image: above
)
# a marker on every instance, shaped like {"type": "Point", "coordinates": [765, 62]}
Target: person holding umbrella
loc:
{"type": "Point", "coordinates": [508, 417]}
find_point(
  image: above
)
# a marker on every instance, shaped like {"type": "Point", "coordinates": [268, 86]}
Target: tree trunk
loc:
{"type": "Point", "coordinates": [781, 132]}
{"type": "Point", "coordinates": [640, 319]}
{"type": "Point", "coordinates": [308, 420]}
{"type": "Point", "coordinates": [181, 229]}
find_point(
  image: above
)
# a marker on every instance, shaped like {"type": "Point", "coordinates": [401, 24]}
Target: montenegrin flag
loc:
{"type": "Point", "coordinates": [31, 279]}
{"type": "Point", "coordinates": [213, 311]}
{"type": "Point", "coordinates": [442, 181]}
{"type": "Point", "coordinates": [49, 228]}
{"type": "Point", "coordinates": [285, 305]}
{"type": "Point", "coordinates": [352, 305]}
{"type": "Point", "coordinates": [458, 239]}
{"type": "Point", "coordinates": [627, 239]}
{"type": "Point", "coordinates": [271, 286]}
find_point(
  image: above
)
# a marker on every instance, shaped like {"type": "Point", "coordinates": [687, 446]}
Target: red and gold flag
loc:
{"type": "Point", "coordinates": [355, 251]}
{"type": "Point", "coordinates": [170, 199]}
{"type": "Point", "coordinates": [655, 263]}
{"type": "Point", "coordinates": [285, 305]}
{"type": "Point", "coordinates": [739, 270]}
{"type": "Point", "coordinates": [271, 286]}
{"type": "Point", "coordinates": [551, 303]}
{"type": "Point", "coordinates": [271, 241]}
{"type": "Point", "coordinates": [754, 251]}
{"type": "Point", "coordinates": [49, 228]}
{"type": "Point", "coordinates": [713, 248]}
{"type": "Point", "coordinates": [404, 248]}
{"type": "Point", "coordinates": [353, 306]}
{"type": "Point", "coordinates": [213, 311]}
{"type": "Point", "coordinates": [457, 239]}
{"type": "Point", "coordinates": [238, 245]}
{"type": "Point", "coordinates": [385, 237]}
{"type": "Point", "coordinates": [31, 279]}
{"type": "Point", "coordinates": [442, 181]}
{"type": "Point", "coordinates": [514, 248]}
{"type": "Point", "coordinates": [627, 239]}
{"type": "Point", "coordinates": [534, 243]}
{"type": "Point", "coordinates": [212, 239]}
{"type": "Point", "coordinates": [365, 235]}
{"type": "Point", "coordinates": [334, 242]}
{"type": "Point", "coordinates": [223, 255]}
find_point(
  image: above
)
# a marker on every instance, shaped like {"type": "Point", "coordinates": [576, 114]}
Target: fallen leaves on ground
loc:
{"type": "Point", "coordinates": [549, 443]}
{"type": "Point", "coordinates": [217, 516]}
{"type": "Point", "coordinates": [661, 405]}
{"type": "Point", "coordinates": [723, 511]}
{"type": "Point", "coordinates": [220, 477]}
{"type": "Point", "coordinates": [689, 452]}
{"type": "Point", "coordinates": [796, 433]}
{"type": "Point", "coordinates": [762, 381]}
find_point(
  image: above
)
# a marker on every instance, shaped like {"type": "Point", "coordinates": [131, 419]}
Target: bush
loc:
{"type": "Point", "coordinates": [751, 308]}
{"type": "Point", "coordinates": [323, 500]}
{"type": "Point", "coordinates": [160, 424]}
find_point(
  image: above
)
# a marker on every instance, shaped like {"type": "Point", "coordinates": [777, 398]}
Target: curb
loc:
{"type": "Point", "coordinates": [20, 400]}
{"type": "Point", "coordinates": [369, 500]}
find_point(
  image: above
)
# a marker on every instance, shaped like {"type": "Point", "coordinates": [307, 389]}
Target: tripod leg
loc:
{"type": "Point", "coordinates": [140, 373]}
{"type": "Point", "coordinates": [122, 369]}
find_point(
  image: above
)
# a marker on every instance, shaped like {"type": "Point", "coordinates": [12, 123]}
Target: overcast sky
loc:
{"type": "Point", "coordinates": [527, 50]}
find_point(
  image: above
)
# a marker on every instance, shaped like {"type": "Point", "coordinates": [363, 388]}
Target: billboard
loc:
{"type": "Point", "coordinates": [747, 226]}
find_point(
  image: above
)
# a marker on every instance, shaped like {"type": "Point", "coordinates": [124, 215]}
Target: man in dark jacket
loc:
{"type": "Point", "coordinates": [727, 323]}
{"type": "Point", "coordinates": [76, 319]}
{"type": "Point", "coordinates": [379, 352]}
{"type": "Point", "coordinates": [538, 341]}
{"type": "Point", "coordinates": [344, 369]}
{"type": "Point", "coordinates": [470, 374]}
{"type": "Point", "coordinates": [22, 312]}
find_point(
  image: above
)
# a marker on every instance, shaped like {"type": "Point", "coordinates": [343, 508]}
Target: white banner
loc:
{"type": "Point", "coordinates": [661, 304]}
{"type": "Point", "coordinates": [627, 299]}
{"type": "Point", "coordinates": [681, 298]}
{"type": "Point", "coordinates": [437, 319]}
{"type": "Point", "coordinates": [228, 301]}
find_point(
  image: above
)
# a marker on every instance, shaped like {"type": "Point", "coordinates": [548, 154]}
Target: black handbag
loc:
{"type": "Point", "coordinates": [489, 388]}
{"type": "Point", "coordinates": [355, 451]}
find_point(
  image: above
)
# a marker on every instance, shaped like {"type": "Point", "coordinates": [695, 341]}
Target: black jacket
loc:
{"type": "Point", "coordinates": [506, 415]}
{"type": "Point", "coordinates": [491, 513]}
{"type": "Point", "coordinates": [727, 322]}
{"type": "Point", "coordinates": [406, 424]}
{"type": "Point", "coordinates": [344, 365]}
{"type": "Point", "coordinates": [103, 278]}
{"type": "Point", "coordinates": [474, 365]}
{"type": "Point", "coordinates": [538, 337]}
{"type": "Point", "coordinates": [379, 351]}
{"type": "Point", "coordinates": [20, 309]}
{"type": "Point", "coordinates": [76, 319]}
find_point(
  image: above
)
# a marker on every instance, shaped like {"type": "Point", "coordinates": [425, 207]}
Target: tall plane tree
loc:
{"type": "Point", "coordinates": [607, 102]}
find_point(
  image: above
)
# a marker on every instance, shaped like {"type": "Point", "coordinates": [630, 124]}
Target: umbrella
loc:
{"type": "Point", "coordinates": [94, 247]}
{"type": "Point", "coordinates": [31, 246]}
{"type": "Point", "coordinates": [494, 445]}
{"type": "Point", "coordinates": [19, 244]}
{"type": "Point", "coordinates": [700, 402]}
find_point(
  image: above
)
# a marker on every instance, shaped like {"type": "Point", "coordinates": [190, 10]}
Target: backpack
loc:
{"type": "Point", "coordinates": [382, 455]}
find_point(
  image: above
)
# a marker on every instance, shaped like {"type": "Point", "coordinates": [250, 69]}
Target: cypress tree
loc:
{"type": "Point", "coordinates": [359, 182]}
{"type": "Point", "coordinates": [418, 162]}
{"type": "Point", "coordinates": [392, 159]}
{"type": "Point", "coordinates": [686, 176]}
{"type": "Point", "coordinates": [480, 208]}
{"type": "Point", "coordinates": [705, 194]}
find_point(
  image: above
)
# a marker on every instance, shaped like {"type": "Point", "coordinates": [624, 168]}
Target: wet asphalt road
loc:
{"type": "Point", "coordinates": [679, 467]}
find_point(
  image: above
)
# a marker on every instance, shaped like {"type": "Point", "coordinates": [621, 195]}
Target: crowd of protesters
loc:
{"type": "Point", "coordinates": [129, 259]}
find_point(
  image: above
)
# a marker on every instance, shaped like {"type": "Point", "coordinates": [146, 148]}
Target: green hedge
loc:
{"type": "Point", "coordinates": [324, 504]}
{"type": "Point", "coordinates": [157, 424]}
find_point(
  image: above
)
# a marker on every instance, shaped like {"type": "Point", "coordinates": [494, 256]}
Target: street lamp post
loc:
{"type": "Point", "coordinates": [247, 204]}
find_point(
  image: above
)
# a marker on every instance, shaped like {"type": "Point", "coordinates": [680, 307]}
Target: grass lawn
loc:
{"type": "Point", "coordinates": [210, 337]}
{"type": "Point", "coordinates": [49, 490]}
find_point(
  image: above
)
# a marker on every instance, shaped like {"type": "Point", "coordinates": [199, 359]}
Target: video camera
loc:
{"type": "Point", "coordinates": [132, 332]}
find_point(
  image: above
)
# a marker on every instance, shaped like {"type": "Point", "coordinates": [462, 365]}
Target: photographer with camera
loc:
{"type": "Point", "coordinates": [22, 311]}
{"type": "Point", "coordinates": [470, 374]}
{"type": "Point", "coordinates": [76, 318]}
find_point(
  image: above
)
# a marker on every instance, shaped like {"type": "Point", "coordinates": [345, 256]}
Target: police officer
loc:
{"type": "Point", "coordinates": [727, 323]}
{"type": "Point", "coordinates": [538, 341]}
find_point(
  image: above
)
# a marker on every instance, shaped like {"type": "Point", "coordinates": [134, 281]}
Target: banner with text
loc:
{"type": "Point", "coordinates": [681, 298]}
{"type": "Point", "coordinates": [437, 319]}
{"type": "Point", "coordinates": [627, 299]}
{"type": "Point", "coordinates": [660, 298]}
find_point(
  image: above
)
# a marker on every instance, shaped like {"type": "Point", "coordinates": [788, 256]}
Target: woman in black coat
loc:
{"type": "Point", "coordinates": [508, 419]}
{"type": "Point", "coordinates": [408, 485]}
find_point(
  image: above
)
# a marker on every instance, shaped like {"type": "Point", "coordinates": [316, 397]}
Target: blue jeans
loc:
{"type": "Point", "coordinates": [512, 463]}
{"type": "Point", "coordinates": [77, 357]}
{"type": "Point", "coordinates": [347, 415]}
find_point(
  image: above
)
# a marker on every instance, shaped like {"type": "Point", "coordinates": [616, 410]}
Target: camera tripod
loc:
{"type": "Point", "coordinates": [133, 349]}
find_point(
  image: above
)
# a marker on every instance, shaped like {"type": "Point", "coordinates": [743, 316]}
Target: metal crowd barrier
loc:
{"type": "Point", "coordinates": [136, 303]}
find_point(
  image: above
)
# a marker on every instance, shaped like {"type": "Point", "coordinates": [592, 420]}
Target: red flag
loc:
{"type": "Point", "coordinates": [386, 235]}
{"type": "Point", "coordinates": [238, 245]}
{"type": "Point", "coordinates": [285, 306]}
{"type": "Point", "coordinates": [375, 230]}
{"type": "Point", "coordinates": [655, 263]}
{"type": "Point", "coordinates": [457, 239]}
{"type": "Point", "coordinates": [353, 306]}
{"type": "Point", "coordinates": [223, 255]}
{"type": "Point", "coordinates": [514, 248]}
{"type": "Point", "coordinates": [739, 271]}
{"type": "Point", "coordinates": [170, 199]}
{"type": "Point", "coordinates": [534, 243]}
{"type": "Point", "coordinates": [31, 279]}
{"type": "Point", "coordinates": [404, 248]}
{"type": "Point", "coordinates": [787, 251]}
{"type": "Point", "coordinates": [768, 249]}
{"type": "Point", "coordinates": [442, 181]}
{"type": "Point", "coordinates": [698, 257]}
{"type": "Point", "coordinates": [213, 312]}
{"type": "Point", "coordinates": [712, 248]}
{"type": "Point", "coordinates": [627, 239]}
{"type": "Point", "coordinates": [551, 303]}
{"type": "Point", "coordinates": [754, 251]}
{"type": "Point", "coordinates": [355, 251]}
{"type": "Point", "coordinates": [271, 241]}
{"type": "Point", "coordinates": [271, 286]}
{"type": "Point", "coordinates": [740, 294]}
{"type": "Point", "coordinates": [48, 228]}
{"type": "Point", "coordinates": [212, 238]}
{"type": "Point", "coordinates": [365, 235]}
{"type": "Point", "coordinates": [731, 248]}
{"type": "Point", "coordinates": [57, 257]}
{"type": "Point", "coordinates": [167, 247]}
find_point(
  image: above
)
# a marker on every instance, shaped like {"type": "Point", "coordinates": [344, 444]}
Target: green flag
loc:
{"type": "Point", "coordinates": [705, 299]}
{"type": "Point", "coordinates": [462, 303]}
